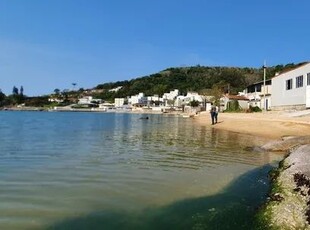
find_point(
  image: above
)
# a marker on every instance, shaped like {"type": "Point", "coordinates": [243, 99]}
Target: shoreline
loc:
{"type": "Point", "coordinates": [271, 125]}
{"type": "Point", "coordinates": [288, 202]}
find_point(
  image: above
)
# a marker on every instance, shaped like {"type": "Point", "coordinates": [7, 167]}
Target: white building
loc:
{"type": "Point", "coordinates": [291, 89]}
{"type": "Point", "coordinates": [179, 101]}
{"type": "Point", "coordinates": [190, 96]}
{"type": "Point", "coordinates": [106, 106]}
{"type": "Point", "coordinates": [119, 102]}
{"type": "Point", "coordinates": [137, 99]}
{"type": "Point", "coordinates": [259, 94]}
{"type": "Point", "coordinates": [193, 96]}
{"type": "Point", "coordinates": [89, 100]}
{"type": "Point", "coordinates": [85, 100]}
{"type": "Point", "coordinates": [171, 95]}
{"type": "Point", "coordinates": [242, 101]}
{"type": "Point", "coordinates": [54, 99]}
{"type": "Point", "coordinates": [154, 100]}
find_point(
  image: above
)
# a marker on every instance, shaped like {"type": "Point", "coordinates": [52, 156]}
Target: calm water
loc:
{"type": "Point", "coordinates": [116, 171]}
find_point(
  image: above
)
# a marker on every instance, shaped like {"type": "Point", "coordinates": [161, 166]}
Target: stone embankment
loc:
{"type": "Point", "coordinates": [288, 206]}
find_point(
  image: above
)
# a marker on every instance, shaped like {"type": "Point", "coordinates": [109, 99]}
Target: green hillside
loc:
{"type": "Point", "coordinates": [202, 79]}
{"type": "Point", "coordinates": [196, 78]}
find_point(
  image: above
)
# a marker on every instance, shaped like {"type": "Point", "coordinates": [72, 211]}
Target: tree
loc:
{"type": "Point", "coordinates": [217, 92]}
{"type": "Point", "coordinates": [21, 91]}
{"type": "Point", "coordinates": [15, 90]}
{"type": "Point", "coordinates": [56, 91]}
{"type": "Point", "coordinates": [2, 97]}
{"type": "Point", "coordinates": [194, 103]}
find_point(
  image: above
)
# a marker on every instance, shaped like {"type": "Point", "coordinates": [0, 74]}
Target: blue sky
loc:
{"type": "Point", "coordinates": [48, 44]}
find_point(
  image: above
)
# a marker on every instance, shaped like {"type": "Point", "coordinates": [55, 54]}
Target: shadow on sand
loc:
{"type": "Point", "coordinates": [233, 208]}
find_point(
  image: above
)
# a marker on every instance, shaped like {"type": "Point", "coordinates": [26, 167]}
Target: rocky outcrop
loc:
{"type": "Point", "coordinates": [287, 143]}
{"type": "Point", "coordinates": [289, 200]}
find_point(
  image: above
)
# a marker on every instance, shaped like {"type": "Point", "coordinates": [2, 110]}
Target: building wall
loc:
{"type": "Point", "coordinates": [172, 95]}
{"type": "Point", "coordinates": [137, 99]}
{"type": "Point", "coordinates": [267, 104]}
{"type": "Point", "coordinates": [295, 97]}
{"type": "Point", "coordinates": [266, 89]}
{"type": "Point", "coordinates": [119, 102]}
{"type": "Point", "coordinates": [85, 100]}
{"type": "Point", "coordinates": [243, 104]}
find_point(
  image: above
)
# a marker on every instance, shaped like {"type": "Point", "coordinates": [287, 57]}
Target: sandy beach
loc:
{"type": "Point", "coordinates": [271, 124]}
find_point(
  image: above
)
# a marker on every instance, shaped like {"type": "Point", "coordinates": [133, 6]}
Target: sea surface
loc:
{"type": "Point", "coordinates": [62, 170]}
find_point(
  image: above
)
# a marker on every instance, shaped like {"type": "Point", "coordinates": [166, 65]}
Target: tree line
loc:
{"type": "Point", "coordinates": [17, 97]}
{"type": "Point", "coordinates": [202, 79]}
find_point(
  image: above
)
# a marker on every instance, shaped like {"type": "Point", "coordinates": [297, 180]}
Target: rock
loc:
{"type": "Point", "coordinates": [289, 206]}
{"type": "Point", "coordinates": [286, 143]}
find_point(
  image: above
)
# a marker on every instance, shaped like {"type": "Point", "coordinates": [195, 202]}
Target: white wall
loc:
{"type": "Point", "coordinates": [119, 102]}
{"type": "Point", "coordinates": [137, 99]}
{"type": "Point", "coordinates": [172, 95]}
{"type": "Point", "coordinates": [295, 96]}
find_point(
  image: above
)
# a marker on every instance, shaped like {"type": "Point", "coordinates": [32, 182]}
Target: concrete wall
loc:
{"type": "Point", "coordinates": [289, 107]}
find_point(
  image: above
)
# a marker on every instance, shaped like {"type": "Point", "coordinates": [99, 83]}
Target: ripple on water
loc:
{"type": "Point", "coordinates": [55, 166]}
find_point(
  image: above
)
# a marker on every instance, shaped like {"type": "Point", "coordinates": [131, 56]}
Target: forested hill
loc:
{"type": "Point", "coordinates": [196, 78]}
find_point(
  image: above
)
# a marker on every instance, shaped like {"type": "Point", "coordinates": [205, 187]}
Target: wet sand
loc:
{"type": "Point", "coordinates": [273, 125]}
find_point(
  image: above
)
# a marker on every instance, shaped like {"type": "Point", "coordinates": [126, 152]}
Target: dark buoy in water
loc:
{"type": "Point", "coordinates": [144, 118]}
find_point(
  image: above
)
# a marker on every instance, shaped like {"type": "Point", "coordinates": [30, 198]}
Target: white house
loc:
{"type": "Point", "coordinates": [55, 99]}
{"type": "Point", "coordinates": [291, 89]}
{"type": "Point", "coordinates": [171, 95]}
{"type": "Point", "coordinates": [179, 101]}
{"type": "Point", "coordinates": [194, 96]}
{"type": "Point", "coordinates": [190, 96]}
{"type": "Point", "coordinates": [242, 100]}
{"type": "Point", "coordinates": [259, 94]}
{"type": "Point", "coordinates": [89, 100]}
{"type": "Point", "coordinates": [85, 100]}
{"type": "Point", "coordinates": [119, 102]}
{"type": "Point", "coordinates": [155, 101]}
{"type": "Point", "coordinates": [137, 99]}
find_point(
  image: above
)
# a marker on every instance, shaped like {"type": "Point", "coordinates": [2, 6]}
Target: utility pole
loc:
{"type": "Point", "coordinates": [264, 93]}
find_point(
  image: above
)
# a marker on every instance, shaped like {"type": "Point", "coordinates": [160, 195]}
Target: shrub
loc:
{"type": "Point", "coordinates": [254, 109]}
{"type": "Point", "coordinates": [233, 106]}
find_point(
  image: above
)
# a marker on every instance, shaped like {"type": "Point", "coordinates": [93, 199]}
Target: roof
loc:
{"type": "Point", "coordinates": [302, 65]}
{"type": "Point", "coordinates": [259, 83]}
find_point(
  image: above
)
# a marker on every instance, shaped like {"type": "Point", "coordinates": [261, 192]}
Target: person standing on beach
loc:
{"type": "Point", "coordinates": [213, 114]}
{"type": "Point", "coordinates": [216, 113]}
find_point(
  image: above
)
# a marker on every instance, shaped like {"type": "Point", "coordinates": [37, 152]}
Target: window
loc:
{"type": "Point", "coordinates": [308, 78]}
{"type": "Point", "coordinates": [299, 81]}
{"type": "Point", "coordinates": [289, 84]}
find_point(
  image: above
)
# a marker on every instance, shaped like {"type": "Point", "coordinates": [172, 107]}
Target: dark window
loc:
{"type": "Point", "coordinates": [299, 81]}
{"type": "Point", "coordinates": [289, 84]}
{"type": "Point", "coordinates": [308, 78]}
